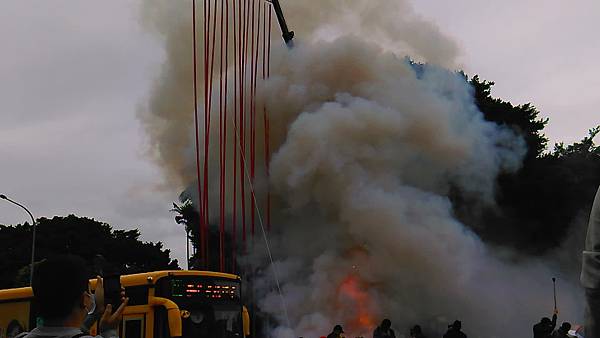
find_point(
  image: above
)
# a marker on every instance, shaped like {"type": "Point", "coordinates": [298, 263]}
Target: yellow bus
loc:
{"type": "Point", "coordinates": [162, 304]}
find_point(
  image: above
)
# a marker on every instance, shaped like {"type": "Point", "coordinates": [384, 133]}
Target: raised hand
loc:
{"type": "Point", "coordinates": [111, 320]}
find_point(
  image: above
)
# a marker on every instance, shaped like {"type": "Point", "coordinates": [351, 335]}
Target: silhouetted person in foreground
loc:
{"type": "Point", "coordinates": [61, 290]}
{"type": "Point", "coordinates": [454, 330]}
{"type": "Point", "coordinates": [337, 332]}
{"type": "Point", "coordinates": [590, 272]}
{"type": "Point", "coordinates": [415, 332]}
{"type": "Point", "coordinates": [544, 328]}
{"type": "Point", "coordinates": [384, 330]}
{"type": "Point", "coordinates": [563, 331]}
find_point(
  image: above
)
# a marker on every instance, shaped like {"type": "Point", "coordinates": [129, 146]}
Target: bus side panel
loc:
{"type": "Point", "coordinates": [149, 323]}
{"type": "Point", "coordinates": [14, 318]}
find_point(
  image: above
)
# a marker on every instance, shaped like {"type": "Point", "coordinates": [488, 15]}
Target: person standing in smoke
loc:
{"type": "Point", "coordinates": [337, 332]}
{"type": "Point", "coordinates": [415, 332]}
{"type": "Point", "coordinates": [454, 330]}
{"type": "Point", "coordinates": [384, 330]}
{"type": "Point", "coordinates": [590, 272]}
{"type": "Point", "coordinates": [544, 328]}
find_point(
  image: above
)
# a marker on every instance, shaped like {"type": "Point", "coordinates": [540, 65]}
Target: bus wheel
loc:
{"type": "Point", "coordinates": [13, 329]}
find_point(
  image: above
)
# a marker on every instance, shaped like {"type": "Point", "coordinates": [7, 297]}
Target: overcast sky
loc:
{"type": "Point", "coordinates": [72, 74]}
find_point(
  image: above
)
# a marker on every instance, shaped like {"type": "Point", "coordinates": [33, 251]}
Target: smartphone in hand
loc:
{"type": "Point", "coordinates": [112, 290]}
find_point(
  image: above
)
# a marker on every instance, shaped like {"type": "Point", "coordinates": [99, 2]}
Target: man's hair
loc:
{"type": "Point", "coordinates": [57, 285]}
{"type": "Point", "coordinates": [456, 325]}
{"type": "Point", "coordinates": [566, 326]}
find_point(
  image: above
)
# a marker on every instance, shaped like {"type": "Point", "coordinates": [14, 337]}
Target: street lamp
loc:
{"type": "Point", "coordinates": [32, 240]}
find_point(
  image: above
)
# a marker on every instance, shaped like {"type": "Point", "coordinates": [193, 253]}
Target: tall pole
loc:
{"type": "Point", "coordinates": [187, 249]}
{"type": "Point", "coordinates": [554, 289]}
{"type": "Point", "coordinates": [33, 237]}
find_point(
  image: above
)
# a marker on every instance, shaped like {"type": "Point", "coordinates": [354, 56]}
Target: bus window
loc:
{"type": "Point", "coordinates": [133, 327]}
{"type": "Point", "coordinates": [228, 319]}
{"type": "Point", "coordinates": [212, 322]}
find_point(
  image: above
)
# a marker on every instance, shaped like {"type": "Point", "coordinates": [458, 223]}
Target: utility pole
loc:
{"type": "Point", "coordinates": [33, 237]}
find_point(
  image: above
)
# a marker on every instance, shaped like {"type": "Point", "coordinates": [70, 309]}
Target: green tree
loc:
{"type": "Point", "coordinates": [86, 237]}
{"type": "Point", "coordinates": [536, 205]}
{"type": "Point", "coordinates": [524, 119]}
{"type": "Point", "coordinates": [189, 217]}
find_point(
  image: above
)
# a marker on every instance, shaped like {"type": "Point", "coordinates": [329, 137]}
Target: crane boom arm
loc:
{"type": "Point", "coordinates": [285, 32]}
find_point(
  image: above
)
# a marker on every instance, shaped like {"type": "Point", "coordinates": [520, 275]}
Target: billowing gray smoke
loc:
{"type": "Point", "coordinates": [166, 115]}
{"type": "Point", "coordinates": [368, 147]}
{"type": "Point", "coordinates": [372, 149]}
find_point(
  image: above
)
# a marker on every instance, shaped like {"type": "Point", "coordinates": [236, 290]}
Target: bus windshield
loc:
{"type": "Point", "coordinates": [211, 306]}
{"type": "Point", "coordinates": [219, 321]}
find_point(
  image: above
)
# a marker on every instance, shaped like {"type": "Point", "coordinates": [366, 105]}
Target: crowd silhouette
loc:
{"type": "Point", "coordinates": [545, 328]}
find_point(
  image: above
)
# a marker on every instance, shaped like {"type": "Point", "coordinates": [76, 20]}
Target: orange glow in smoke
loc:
{"type": "Point", "coordinates": [352, 295]}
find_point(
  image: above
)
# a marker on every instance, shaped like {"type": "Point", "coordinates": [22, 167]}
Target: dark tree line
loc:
{"type": "Point", "coordinates": [123, 250]}
{"type": "Point", "coordinates": [537, 205]}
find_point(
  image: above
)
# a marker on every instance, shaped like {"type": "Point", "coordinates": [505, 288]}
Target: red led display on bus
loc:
{"type": "Point", "coordinates": [211, 289]}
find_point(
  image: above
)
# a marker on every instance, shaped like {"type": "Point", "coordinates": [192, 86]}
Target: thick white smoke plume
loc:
{"type": "Point", "coordinates": [166, 115]}
{"type": "Point", "coordinates": [373, 146]}
{"type": "Point", "coordinates": [367, 149]}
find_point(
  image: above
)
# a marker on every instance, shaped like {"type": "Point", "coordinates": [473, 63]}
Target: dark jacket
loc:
{"type": "Point", "coordinates": [379, 333]}
{"type": "Point", "coordinates": [454, 333]}
{"type": "Point", "coordinates": [558, 334]}
{"type": "Point", "coordinates": [544, 330]}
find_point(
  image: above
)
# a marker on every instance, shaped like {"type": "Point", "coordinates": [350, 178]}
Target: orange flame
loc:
{"type": "Point", "coordinates": [351, 293]}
